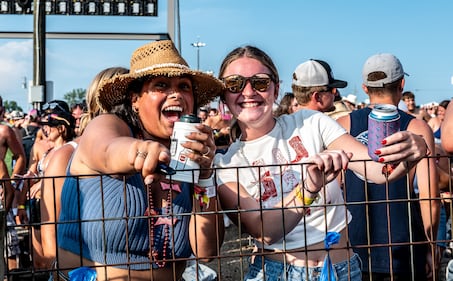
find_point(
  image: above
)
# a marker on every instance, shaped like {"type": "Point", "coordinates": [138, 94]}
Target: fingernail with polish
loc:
{"type": "Point", "coordinates": [381, 160]}
{"type": "Point", "coordinates": [377, 152]}
{"type": "Point", "coordinates": [384, 142]}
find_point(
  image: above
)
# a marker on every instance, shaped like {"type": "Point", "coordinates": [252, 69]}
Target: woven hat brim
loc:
{"type": "Point", "coordinates": [114, 91]}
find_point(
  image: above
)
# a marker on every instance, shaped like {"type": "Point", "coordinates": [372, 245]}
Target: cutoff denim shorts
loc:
{"type": "Point", "coordinates": [275, 271]}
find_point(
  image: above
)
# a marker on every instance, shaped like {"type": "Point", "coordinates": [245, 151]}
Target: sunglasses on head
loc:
{"type": "Point", "coordinates": [51, 106]}
{"type": "Point", "coordinates": [236, 83]}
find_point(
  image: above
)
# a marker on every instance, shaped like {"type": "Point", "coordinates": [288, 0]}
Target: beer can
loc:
{"type": "Point", "coordinates": [187, 170]}
{"type": "Point", "coordinates": [383, 121]}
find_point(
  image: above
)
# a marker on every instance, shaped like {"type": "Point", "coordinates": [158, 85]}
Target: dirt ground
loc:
{"type": "Point", "coordinates": [234, 256]}
{"type": "Point", "coordinates": [236, 249]}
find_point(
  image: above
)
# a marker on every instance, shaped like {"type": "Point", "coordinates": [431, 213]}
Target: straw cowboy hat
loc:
{"type": "Point", "coordinates": [158, 58]}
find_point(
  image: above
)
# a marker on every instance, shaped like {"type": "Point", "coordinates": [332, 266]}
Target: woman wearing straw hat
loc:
{"type": "Point", "coordinates": [112, 227]}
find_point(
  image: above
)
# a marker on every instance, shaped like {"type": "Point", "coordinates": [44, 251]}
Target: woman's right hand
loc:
{"type": "Point", "coordinates": [145, 156]}
{"type": "Point", "coordinates": [324, 167]}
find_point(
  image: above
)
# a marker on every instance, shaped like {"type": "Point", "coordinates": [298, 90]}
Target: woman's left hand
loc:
{"type": "Point", "coordinates": [203, 149]}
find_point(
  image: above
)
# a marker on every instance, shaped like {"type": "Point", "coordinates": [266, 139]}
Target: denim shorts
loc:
{"type": "Point", "coordinates": [275, 270]}
{"type": "Point", "coordinates": [449, 271]}
{"type": "Point", "coordinates": [57, 275]}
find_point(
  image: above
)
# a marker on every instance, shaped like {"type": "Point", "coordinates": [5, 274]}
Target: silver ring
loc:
{"type": "Point", "coordinates": [141, 154]}
{"type": "Point", "coordinates": [207, 152]}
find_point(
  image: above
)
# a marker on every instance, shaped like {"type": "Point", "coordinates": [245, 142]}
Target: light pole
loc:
{"type": "Point", "coordinates": [24, 83]}
{"type": "Point", "coordinates": [198, 45]}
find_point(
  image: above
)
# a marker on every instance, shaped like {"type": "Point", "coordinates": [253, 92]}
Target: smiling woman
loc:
{"type": "Point", "coordinates": [143, 227]}
{"type": "Point", "coordinates": [288, 173]}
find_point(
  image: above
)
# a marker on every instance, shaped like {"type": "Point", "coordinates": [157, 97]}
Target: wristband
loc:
{"type": "Point", "coordinates": [211, 191]}
{"type": "Point", "coordinates": [21, 207]}
{"type": "Point", "coordinates": [206, 182]}
{"type": "Point", "coordinates": [305, 199]}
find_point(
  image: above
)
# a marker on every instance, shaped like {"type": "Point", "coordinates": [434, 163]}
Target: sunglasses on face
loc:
{"type": "Point", "coordinates": [332, 91]}
{"type": "Point", "coordinates": [236, 83]}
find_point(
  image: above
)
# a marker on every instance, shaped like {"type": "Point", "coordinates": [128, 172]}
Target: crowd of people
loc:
{"type": "Point", "coordinates": [92, 181]}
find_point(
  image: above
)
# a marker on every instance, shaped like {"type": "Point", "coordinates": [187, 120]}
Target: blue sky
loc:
{"type": "Point", "coordinates": [343, 33]}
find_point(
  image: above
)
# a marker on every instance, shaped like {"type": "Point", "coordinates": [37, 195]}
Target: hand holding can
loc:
{"type": "Point", "coordinates": [179, 159]}
{"type": "Point", "coordinates": [383, 121]}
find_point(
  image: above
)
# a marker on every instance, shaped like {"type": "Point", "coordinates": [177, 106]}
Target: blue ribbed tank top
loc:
{"type": "Point", "coordinates": [110, 226]}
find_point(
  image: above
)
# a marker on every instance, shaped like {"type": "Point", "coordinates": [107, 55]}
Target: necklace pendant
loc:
{"type": "Point", "coordinates": [154, 257]}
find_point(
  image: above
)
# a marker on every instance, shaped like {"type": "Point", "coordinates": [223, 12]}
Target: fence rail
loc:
{"type": "Point", "coordinates": [237, 249]}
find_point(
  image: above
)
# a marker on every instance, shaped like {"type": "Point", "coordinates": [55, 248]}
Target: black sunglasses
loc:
{"type": "Point", "coordinates": [236, 83]}
{"type": "Point", "coordinates": [51, 106]}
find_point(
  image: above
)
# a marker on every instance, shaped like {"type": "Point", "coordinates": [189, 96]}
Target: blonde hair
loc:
{"type": "Point", "coordinates": [93, 108]}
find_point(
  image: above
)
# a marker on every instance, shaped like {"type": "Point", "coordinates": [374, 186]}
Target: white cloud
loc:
{"type": "Point", "coordinates": [16, 60]}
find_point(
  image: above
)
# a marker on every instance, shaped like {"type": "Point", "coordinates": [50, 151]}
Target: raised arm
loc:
{"type": "Point", "coordinates": [50, 201]}
{"type": "Point", "coordinates": [403, 149]}
{"type": "Point", "coordinates": [427, 180]}
{"type": "Point", "coordinates": [15, 145]}
{"type": "Point", "coordinates": [108, 147]}
{"type": "Point", "coordinates": [234, 197]}
{"type": "Point", "coordinates": [447, 129]}
{"type": "Point", "coordinates": [321, 168]}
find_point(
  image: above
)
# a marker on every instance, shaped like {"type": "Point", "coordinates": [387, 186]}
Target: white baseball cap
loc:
{"type": "Point", "coordinates": [316, 73]}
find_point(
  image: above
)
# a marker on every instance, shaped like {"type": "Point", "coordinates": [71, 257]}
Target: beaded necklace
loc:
{"type": "Point", "coordinates": [153, 220]}
{"type": "Point", "coordinates": [156, 219]}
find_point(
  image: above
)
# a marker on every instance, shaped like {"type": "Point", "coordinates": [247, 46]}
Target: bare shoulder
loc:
{"type": "Point", "coordinates": [64, 152]}
{"type": "Point", "coordinates": [6, 130]}
{"type": "Point", "coordinates": [344, 121]}
{"type": "Point", "coordinates": [106, 124]}
{"type": "Point", "coordinates": [418, 126]}
{"type": "Point", "coordinates": [58, 159]}
{"type": "Point", "coordinates": [42, 146]}
{"type": "Point", "coordinates": [434, 122]}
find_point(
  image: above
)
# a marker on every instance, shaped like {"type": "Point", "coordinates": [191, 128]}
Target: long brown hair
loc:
{"type": "Point", "coordinates": [249, 52]}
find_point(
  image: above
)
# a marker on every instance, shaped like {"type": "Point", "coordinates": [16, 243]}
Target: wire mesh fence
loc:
{"type": "Point", "coordinates": [115, 241]}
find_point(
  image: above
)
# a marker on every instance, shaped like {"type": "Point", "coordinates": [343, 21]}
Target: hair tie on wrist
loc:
{"type": "Point", "coordinates": [307, 190]}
